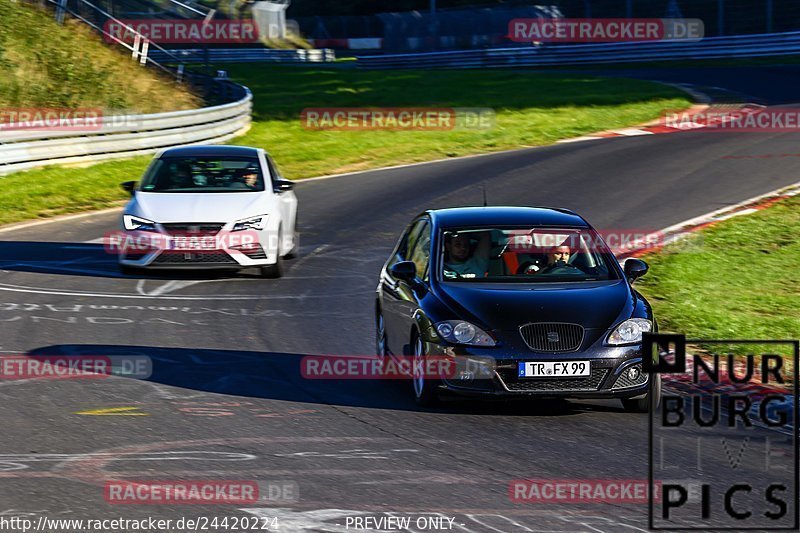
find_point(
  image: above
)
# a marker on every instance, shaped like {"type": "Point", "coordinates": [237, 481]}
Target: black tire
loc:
{"type": "Point", "coordinates": [275, 270]}
{"type": "Point", "coordinates": [131, 270]}
{"type": "Point", "coordinates": [380, 335]}
{"type": "Point", "coordinates": [424, 388]}
{"type": "Point", "coordinates": [642, 405]}
{"type": "Point", "coordinates": [295, 247]}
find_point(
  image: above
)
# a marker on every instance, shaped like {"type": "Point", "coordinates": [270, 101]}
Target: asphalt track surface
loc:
{"type": "Point", "coordinates": [226, 401]}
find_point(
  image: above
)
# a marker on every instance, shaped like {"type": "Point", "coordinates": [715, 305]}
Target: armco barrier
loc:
{"type": "Point", "coordinates": [773, 44]}
{"type": "Point", "coordinates": [128, 135]}
{"type": "Point", "coordinates": [243, 55]}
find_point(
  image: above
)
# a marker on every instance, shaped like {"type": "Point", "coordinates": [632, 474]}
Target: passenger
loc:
{"type": "Point", "coordinates": [460, 260]}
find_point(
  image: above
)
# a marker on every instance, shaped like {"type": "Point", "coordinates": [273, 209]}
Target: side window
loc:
{"type": "Point", "coordinates": [420, 252]}
{"type": "Point", "coordinates": [407, 242]}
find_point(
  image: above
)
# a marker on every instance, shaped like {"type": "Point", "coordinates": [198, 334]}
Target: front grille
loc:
{"type": "Point", "coordinates": [590, 383]}
{"type": "Point", "coordinates": [181, 258]}
{"type": "Point", "coordinates": [196, 228]}
{"type": "Point", "coordinates": [552, 336]}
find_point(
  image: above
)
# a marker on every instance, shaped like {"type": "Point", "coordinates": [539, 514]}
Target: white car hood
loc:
{"type": "Point", "coordinates": [198, 207]}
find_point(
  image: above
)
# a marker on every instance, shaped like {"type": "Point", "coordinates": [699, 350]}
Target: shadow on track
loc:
{"type": "Point", "coordinates": [93, 260]}
{"type": "Point", "coordinates": [278, 376]}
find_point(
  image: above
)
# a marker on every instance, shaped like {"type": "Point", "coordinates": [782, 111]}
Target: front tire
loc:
{"type": "Point", "coordinates": [131, 270]}
{"type": "Point", "coordinates": [424, 387]}
{"type": "Point", "coordinates": [380, 335]}
{"type": "Point", "coordinates": [642, 405]}
{"type": "Point", "coordinates": [274, 270]}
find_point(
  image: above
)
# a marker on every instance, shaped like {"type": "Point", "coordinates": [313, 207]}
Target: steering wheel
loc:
{"type": "Point", "coordinates": [559, 268]}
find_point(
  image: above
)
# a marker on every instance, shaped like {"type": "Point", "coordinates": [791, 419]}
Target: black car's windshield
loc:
{"type": "Point", "coordinates": [525, 255]}
{"type": "Point", "coordinates": [204, 174]}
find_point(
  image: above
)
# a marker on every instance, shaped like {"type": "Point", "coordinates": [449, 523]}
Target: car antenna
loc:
{"type": "Point", "coordinates": [485, 202]}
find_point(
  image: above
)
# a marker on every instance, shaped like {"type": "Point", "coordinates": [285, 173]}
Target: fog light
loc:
{"type": "Point", "coordinates": [633, 373]}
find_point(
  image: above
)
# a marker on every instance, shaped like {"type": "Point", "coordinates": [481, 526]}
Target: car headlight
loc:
{"type": "Point", "coordinates": [629, 331]}
{"type": "Point", "coordinates": [256, 223]}
{"type": "Point", "coordinates": [461, 332]}
{"type": "Point", "coordinates": [133, 223]}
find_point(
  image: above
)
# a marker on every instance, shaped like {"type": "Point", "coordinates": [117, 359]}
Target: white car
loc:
{"type": "Point", "coordinates": [209, 207]}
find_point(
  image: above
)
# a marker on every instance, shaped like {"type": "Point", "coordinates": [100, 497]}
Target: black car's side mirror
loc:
{"type": "Point", "coordinates": [635, 269]}
{"type": "Point", "coordinates": [404, 270]}
{"type": "Point", "coordinates": [283, 185]}
{"type": "Point", "coordinates": [129, 186]}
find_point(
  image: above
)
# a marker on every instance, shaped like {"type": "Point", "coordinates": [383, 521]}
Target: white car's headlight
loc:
{"type": "Point", "coordinates": [630, 331]}
{"type": "Point", "coordinates": [461, 332]}
{"type": "Point", "coordinates": [257, 223]}
{"type": "Point", "coordinates": [133, 223]}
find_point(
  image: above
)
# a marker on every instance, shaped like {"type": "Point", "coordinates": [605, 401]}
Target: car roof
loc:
{"type": "Point", "coordinates": [505, 216]}
{"type": "Point", "coordinates": [210, 151]}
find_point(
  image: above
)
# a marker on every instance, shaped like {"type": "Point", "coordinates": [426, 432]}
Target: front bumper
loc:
{"type": "Point", "coordinates": [155, 254]}
{"type": "Point", "coordinates": [609, 373]}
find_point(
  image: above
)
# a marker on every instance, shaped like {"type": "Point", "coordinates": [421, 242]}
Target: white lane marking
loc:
{"type": "Point", "coordinates": [231, 297]}
{"type": "Point", "coordinates": [25, 225]}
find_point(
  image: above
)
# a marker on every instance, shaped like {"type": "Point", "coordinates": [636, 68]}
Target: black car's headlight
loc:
{"type": "Point", "coordinates": [629, 331]}
{"type": "Point", "coordinates": [461, 332]}
{"type": "Point", "coordinates": [254, 223]}
{"type": "Point", "coordinates": [133, 223]}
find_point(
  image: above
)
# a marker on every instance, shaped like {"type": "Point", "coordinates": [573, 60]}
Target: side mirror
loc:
{"type": "Point", "coordinates": [635, 269]}
{"type": "Point", "coordinates": [404, 270]}
{"type": "Point", "coordinates": [129, 186]}
{"type": "Point", "coordinates": [283, 185]}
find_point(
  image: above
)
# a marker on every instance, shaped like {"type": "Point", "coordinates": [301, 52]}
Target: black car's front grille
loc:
{"type": "Point", "coordinates": [552, 336]}
{"type": "Point", "coordinates": [197, 228]}
{"type": "Point", "coordinates": [590, 383]}
{"type": "Point", "coordinates": [181, 258]}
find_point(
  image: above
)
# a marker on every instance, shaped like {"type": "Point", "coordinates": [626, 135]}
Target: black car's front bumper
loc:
{"type": "Point", "coordinates": [497, 373]}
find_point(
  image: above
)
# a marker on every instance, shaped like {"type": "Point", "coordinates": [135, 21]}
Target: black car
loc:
{"type": "Point", "coordinates": [532, 297]}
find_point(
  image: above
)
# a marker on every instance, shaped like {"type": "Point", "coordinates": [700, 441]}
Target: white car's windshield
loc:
{"type": "Point", "coordinates": [204, 174]}
{"type": "Point", "coordinates": [525, 255]}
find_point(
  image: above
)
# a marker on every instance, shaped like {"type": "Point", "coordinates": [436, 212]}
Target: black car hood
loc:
{"type": "Point", "coordinates": [501, 306]}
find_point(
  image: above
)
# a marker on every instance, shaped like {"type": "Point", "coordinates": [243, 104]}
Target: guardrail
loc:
{"type": "Point", "coordinates": [772, 44]}
{"type": "Point", "coordinates": [243, 55]}
{"type": "Point", "coordinates": [121, 136]}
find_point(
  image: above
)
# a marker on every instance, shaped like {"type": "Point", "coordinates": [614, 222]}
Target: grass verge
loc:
{"type": "Point", "coordinates": [531, 109]}
{"type": "Point", "coordinates": [48, 65]}
{"type": "Point", "coordinates": [742, 281]}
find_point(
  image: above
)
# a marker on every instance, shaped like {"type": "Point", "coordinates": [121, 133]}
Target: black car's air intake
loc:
{"type": "Point", "coordinates": [552, 336]}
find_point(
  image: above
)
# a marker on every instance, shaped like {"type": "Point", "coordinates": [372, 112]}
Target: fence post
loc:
{"type": "Point", "coordinates": [769, 16]}
{"type": "Point", "coordinates": [60, 11]}
{"type": "Point", "coordinates": [135, 52]}
{"type": "Point", "coordinates": [143, 55]}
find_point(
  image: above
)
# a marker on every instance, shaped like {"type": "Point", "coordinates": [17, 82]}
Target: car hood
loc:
{"type": "Point", "coordinates": [197, 207]}
{"type": "Point", "coordinates": [502, 307]}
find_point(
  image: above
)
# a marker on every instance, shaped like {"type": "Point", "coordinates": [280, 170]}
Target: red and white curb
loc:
{"type": "Point", "coordinates": [711, 114]}
{"type": "Point", "coordinates": [682, 230]}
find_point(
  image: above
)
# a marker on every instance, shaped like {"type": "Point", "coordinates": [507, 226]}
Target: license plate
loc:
{"type": "Point", "coordinates": [192, 243]}
{"type": "Point", "coordinates": [555, 369]}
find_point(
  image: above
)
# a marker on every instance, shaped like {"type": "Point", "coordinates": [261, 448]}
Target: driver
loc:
{"type": "Point", "coordinates": [559, 254]}
{"type": "Point", "coordinates": [461, 260]}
